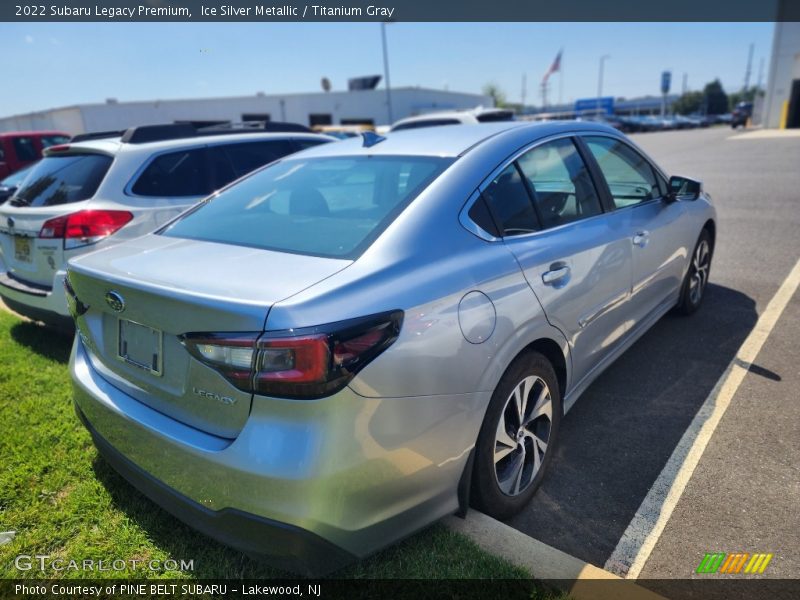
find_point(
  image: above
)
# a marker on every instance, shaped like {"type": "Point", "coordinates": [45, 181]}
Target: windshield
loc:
{"type": "Point", "coordinates": [333, 207]}
{"type": "Point", "coordinates": [62, 180]}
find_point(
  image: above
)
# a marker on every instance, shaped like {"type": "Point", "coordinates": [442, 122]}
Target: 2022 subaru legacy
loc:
{"type": "Point", "coordinates": [366, 336]}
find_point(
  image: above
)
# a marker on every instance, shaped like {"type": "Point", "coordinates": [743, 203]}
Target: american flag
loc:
{"type": "Point", "coordinates": [556, 66]}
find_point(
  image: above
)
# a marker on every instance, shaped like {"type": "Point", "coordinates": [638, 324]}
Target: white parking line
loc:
{"type": "Point", "coordinates": [639, 539]}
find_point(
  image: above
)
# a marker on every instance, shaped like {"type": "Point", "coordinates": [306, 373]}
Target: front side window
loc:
{"type": "Point", "coordinates": [560, 183]}
{"type": "Point", "coordinates": [248, 157]}
{"type": "Point", "coordinates": [63, 179]}
{"type": "Point", "coordinates": [630, 177]}
{"type": "Point", "coordinates": [333, 207]}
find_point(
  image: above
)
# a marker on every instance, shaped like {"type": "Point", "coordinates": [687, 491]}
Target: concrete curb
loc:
{"type": "Point", "coordinates": [544, 562]}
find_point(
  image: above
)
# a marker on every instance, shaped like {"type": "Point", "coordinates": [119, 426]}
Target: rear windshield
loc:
{"type": "Point", "coordinates": [62, 180]}
{"type": "Point", "coordinates": [497, 115]}
{"type": "Point", "coordinates": [333, 207]}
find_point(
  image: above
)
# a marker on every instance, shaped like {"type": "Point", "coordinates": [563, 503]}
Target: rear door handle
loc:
{"type": "Point", "coordinates": [555, 275]}
{"type": "Point", "coordinates": [641, 238]}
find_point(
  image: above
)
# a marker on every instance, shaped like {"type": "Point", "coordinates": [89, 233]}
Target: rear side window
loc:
{"type": "Point", "coordinates": [562, 188]}
{"type": "Point", "coordinates": [249, 157]}
{"type": "Point", "coordinates": [63, 179]}
{"type": "Point", "coordinates": [176, 174]}
{"type": "Point", "coordinates": [53, 140]}
{"type": "Point", "coordinates": [332, 207]}
{"type": "Point", "coordinates": [510, 203]}
{"type": "Point", "coordinates": [24, 149]}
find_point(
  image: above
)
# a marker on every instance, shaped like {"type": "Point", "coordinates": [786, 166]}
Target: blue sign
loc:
{"type": "Point", "coordinates": [666, 79]}
{"type": "Point", "coordinates": [593, 106]}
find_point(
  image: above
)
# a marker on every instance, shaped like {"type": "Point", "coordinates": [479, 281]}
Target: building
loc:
{"type": "Point", "coordinates": [321, 108]}
{"type": "Point", "coordinates": [782, 101]}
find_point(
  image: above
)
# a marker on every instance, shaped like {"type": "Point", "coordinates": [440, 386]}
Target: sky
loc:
{"type": "Point", "coordinates": [48, 65]}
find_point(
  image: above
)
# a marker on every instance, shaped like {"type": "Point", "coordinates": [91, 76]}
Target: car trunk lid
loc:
{"type": "Point", "coordinates": [139, 297]}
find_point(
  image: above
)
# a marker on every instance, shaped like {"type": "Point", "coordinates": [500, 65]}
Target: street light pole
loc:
{"type": "Point", "coordinates": [386, 73]}
{"type": "Point", "coordinates": [600, 81]}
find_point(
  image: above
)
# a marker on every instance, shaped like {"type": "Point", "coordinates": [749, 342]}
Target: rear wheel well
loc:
{"type": "Point", "coordinates": [552, 352]}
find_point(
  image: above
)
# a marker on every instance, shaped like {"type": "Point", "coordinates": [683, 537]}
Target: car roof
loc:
{"type": "Point", "coordinates": [450, 140]}
{"type": "Point", "coordinates": [114, 145]}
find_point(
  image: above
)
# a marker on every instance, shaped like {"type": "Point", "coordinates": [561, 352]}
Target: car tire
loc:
{"type": "Point", "coordinates": [695, 282]}
{"type": "Point", "coordinates": [502, 487]}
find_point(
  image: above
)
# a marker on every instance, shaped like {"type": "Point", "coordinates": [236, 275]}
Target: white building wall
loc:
{"type": "Point", "coordinates": [367, 105]}
{"type": "Point", "coordinates": [784, 68]}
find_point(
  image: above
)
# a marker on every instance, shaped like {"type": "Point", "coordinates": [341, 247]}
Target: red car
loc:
{"type": "Point", "coordinates": [18, 149]}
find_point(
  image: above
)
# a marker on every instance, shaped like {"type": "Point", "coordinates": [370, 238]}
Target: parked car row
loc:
{"type": "Point", "coordinates": [358, 338]}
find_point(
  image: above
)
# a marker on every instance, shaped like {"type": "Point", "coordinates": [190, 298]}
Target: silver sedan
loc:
{"type": "Point", "coordinates": [362, 338]}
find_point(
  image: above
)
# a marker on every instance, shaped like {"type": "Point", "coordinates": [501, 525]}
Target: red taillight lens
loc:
{"type": "Point", "coordinates": [85, 227]}
{"type": "Point", "coordinates": [306, 363]}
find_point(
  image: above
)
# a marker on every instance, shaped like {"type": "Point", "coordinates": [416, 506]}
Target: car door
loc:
{"type": "Point", "coordinates": [575, 256]}
{"type": "Point", "coordinates": [657, 229]}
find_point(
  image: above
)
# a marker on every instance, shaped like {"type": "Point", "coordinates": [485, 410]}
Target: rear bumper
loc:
{"type": "Point", "coordinates": [290, 548]}
{"type": "Point", "coordinates": [36, 302]}
{"type": "Point", "coordinates": [304, 481]}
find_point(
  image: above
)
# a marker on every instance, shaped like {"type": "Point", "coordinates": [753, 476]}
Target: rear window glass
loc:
{"type": "Point", "coordinates": [494, 116]}
{"type": "Point", "coordinates": [63, 179]}
{"type": "Point", "coordinates": [332, 207]}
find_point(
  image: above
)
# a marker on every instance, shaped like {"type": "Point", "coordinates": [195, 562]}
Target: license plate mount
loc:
{"type": "Point", "coordinates": [140, 346]}
{"type": "Point", "coordinates": [22, 249]}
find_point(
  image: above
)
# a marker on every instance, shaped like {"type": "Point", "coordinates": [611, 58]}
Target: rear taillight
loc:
{"type": "Point", "coordinates": [85, 227]}
{"type": "Point", "coordinates": [302, 363]}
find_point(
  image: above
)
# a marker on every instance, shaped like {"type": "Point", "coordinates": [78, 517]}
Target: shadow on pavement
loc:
{"type": "Point", "coordinates": [621, 432]}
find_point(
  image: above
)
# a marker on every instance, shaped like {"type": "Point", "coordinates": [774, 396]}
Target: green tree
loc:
{"type": "Point", "coordinates": [715, 98]}
{"type": "Point", "coordinates": [497, 94]}
{"type": "Point", "coordinates": [688, 103]}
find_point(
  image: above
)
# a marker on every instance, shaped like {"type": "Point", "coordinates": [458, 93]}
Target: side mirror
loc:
{"type": "Point", "coordinates": [683, 188]}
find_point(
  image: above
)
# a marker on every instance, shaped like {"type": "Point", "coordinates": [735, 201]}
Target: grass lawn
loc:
{"type": "Point", "coordinates": [62, 499]}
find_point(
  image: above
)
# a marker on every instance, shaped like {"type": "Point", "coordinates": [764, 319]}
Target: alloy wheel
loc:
{"type": "Point", "coordinates": [523, 433]}
{"type": "Point", "coordinates": [700, 266]}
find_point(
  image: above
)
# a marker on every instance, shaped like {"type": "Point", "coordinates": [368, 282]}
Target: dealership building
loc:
{"type": "Point", "coordinates": [782, 100]}
{"type": "Point", "coordinates": [322, 108]}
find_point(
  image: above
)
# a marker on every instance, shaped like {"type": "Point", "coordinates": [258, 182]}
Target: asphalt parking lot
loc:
{"type": "Point", "coordinates": [744, 495]}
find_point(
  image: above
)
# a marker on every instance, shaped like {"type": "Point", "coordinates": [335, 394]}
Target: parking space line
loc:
{"type": "Point", "coordinates": [644, 530]}
{"type": "Point", "coordinates": [544, 562]}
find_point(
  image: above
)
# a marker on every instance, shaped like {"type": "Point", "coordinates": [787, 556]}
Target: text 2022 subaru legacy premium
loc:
{"type": "Point", "coordinates": [346, 345]}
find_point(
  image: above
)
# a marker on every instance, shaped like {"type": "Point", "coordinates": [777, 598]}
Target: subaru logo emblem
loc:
{"type": "Point", "coordinates": [115, 301]}
{"type": "Point", "coordinates": [10, 222]}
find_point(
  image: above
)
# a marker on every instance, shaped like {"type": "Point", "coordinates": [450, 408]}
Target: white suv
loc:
{"type": "Point", "coordinates": [455, 117]}
{"type": "Point", "coordinates": [102, 189]}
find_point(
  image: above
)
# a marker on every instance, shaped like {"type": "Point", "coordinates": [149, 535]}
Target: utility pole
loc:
{"type": "Point", "coordinates": [386, 73]}
{"type": "Point", "coordinates": [524, 90]}
{"type": "Point", "coordinates": [749, 68]}
{"type": "Point", "coordinates": [600, 81]}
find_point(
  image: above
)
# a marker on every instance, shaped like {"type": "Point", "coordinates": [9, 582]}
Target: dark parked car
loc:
{"type": "Point", "coordinates": [740, 114]}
